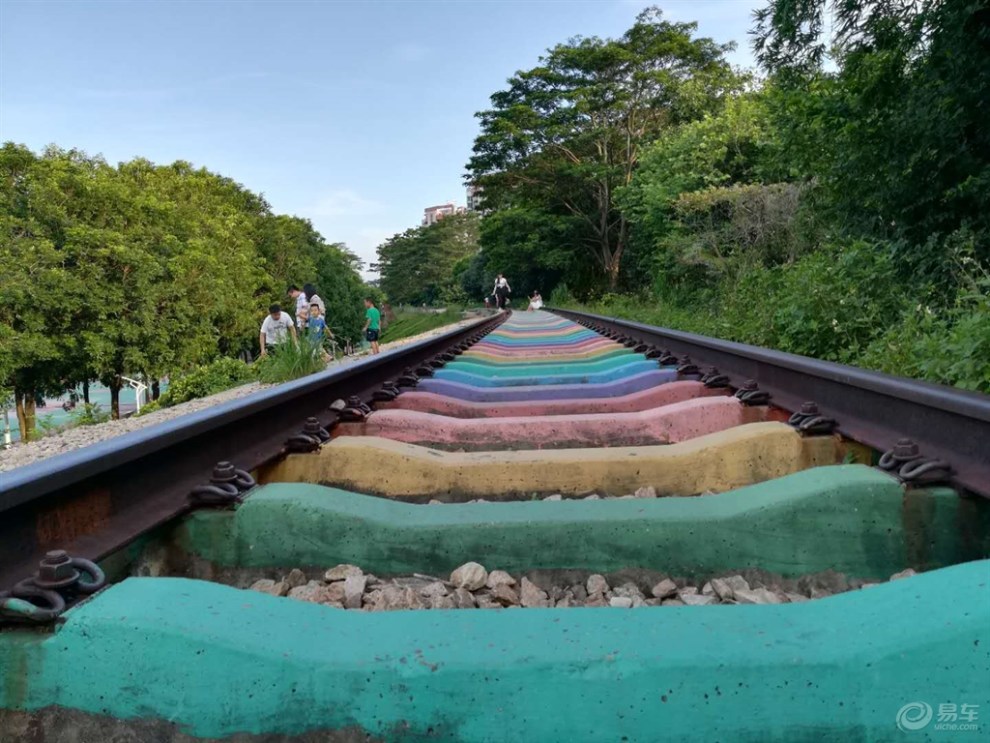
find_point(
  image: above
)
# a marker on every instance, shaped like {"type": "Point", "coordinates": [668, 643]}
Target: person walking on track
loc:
{"type": "Point", "coordinates": [501, 291]}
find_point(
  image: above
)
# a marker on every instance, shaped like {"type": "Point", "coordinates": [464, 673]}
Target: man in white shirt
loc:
{"type": "Point", "coordinates": [275, 328]}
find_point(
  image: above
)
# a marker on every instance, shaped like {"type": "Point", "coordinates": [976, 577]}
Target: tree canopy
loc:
{"type": "Point", "coordinates": [142, 269]}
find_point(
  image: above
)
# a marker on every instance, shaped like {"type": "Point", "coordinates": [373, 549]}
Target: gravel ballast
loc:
{"type": "Point", "coordinates": [472, 586]}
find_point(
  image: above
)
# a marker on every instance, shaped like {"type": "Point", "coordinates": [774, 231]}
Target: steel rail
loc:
{"type": "Point", "coordinates": [95, 500]}
{"type": "Point", "coordinates": [872, 408]}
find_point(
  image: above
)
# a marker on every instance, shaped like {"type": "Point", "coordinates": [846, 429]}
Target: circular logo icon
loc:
{"type": "Point", "coordinates": [914, 716]}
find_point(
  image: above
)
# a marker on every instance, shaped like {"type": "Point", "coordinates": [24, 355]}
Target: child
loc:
{"type": "Point", "coordinates": [316, 328]}
{"type": "Point", "coordinates": [372, 323]}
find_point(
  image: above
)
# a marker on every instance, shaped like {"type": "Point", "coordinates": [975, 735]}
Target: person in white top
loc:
{"type": "Point", "coordinates": [309, 291]}
{"type": "Point", "coordinates": [535, 302]}
{"type": "Point", "coordinates": [501, 291]}
{"type": "Point", "coordinates": [302, 306]}
{"type": "Point", "coordinates": [274, 330]}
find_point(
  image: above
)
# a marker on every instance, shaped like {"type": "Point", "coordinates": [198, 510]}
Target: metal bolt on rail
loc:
{"type": "Point", "coordinates": [41, 598]}
{"type": "Point", "coordinates": [810, 422]}
{"type": "Point", "coordinates": [906, 463]}
{"type": "Point", "coordinates": [312, 436]}
{"type": "Point", "coordinates": [751, 394]}
{"type": "Point", "coordinates": [713, 379]}
{"type": "Point", "coordinates": [686, 367]}
{"type": "Point", "coordinates": [389, 391]}
{"type": "Point", "coordinates": [667, 358]}
{"type": "Point", "coordinates": [227, 486]}
{"type": "Point", "coordinates": [408, 378]}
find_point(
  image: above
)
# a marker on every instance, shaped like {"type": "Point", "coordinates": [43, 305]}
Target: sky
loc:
{"type": "Point", "coordinates": [355, 115]}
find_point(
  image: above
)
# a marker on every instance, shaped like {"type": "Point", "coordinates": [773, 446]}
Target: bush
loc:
{"type": "Point", "coordinates": [288, 361]}
{"type": "Point", "coordinates": [214, 377]}
{"type": "Point", "coordinates": [89, 415]}
{"type": "Point", "coordinates": [843, 303]}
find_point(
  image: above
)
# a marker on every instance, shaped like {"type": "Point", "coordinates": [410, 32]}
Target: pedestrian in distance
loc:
{"type": "Point", "coordinates": [535, 302]}
{"type": "Point", "coordinates": [277, 327]}
{"type": "Point", "coordinates": [501, 291]}
{"type": "Point", "coordinates": [372, 323]}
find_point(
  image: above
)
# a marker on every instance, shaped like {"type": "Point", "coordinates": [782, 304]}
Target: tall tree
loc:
{"type": "Point", "coordinates": [418, 266]}
{"type": "Point", "coordinates": [567, 134]}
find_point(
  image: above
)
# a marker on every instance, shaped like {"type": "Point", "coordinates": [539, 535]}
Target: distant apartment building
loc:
{"type": "Point", "coordinates": [475, 195]}
{"type": "Point", "coordinates": [433, 214]}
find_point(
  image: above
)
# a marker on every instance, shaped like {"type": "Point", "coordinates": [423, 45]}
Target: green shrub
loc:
{"type": "Point", "coordinates": [950, 346]}
{"type": "Point", "coordinates": [209, 379]}
{"type": "Point", "coordinates": [288, 361]}
{"type": "Point", "coordinates": [150, 407]}
{"type": "Point", "coordinates": [88, 415]}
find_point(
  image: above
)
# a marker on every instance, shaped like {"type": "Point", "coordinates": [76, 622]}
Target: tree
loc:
{"type": "Point", "coordinates": [418, 266]}
{"type": "Point", "coordinates": [902, 123]}
{"type": "Point", "coordinates": [141, 270]}
{"type": "Point", "coordinates": [567, 134]}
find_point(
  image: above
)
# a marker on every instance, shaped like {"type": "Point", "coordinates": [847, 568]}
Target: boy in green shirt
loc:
{"type": "Point", "coordinates": [372, 324]}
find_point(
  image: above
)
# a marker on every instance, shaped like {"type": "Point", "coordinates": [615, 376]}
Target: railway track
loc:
{"type": "Point", "coordinates": [533, 460]}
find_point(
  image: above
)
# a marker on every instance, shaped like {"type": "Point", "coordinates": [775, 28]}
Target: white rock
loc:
{"type": "Point", "coordinates": [272, 588]}
{"type": "Point", "coordinates": [621, 602]}
{"type": "Point", "coordinates": [470, 575]}
{"type": "Point", "coordinates": [340, 572]}
{"type": "Point", "coordinates": [707, 590]}
{"type": "Point", "coordinates": [499, 577]}
{"type": "Point", "coordinates": [464, 599]}
{"type": "Point", "coordinates": [593, 496]}
{"type": "Point", "coordinates": [435, 502]}
{"type": "Point", "coordinates": [687, 591]}
{"type": "Point", "coordinates": [664, 589]}
{"type": "Point", "coordinates": [530, 595]}
{"type": "Point", "coordinates": [697, 599]}
{"type": "Point", "coordinates": [334, 592]}
{"type": "Point", "coordinates": [646, 492]}
{"type": "Point", "coordinates": [555, 496]}
{"type": "Point", "coordinates": [795, 598]}
{"type": "Point", "coordinates": [338, 405]}
{"type": "Point", "coordinates": [436, 588]}
{"type": "Point", "coordinates": [312, 592]}
{"type": "Point", "coordinates": [756, 596]}
{"type": "Point", "coordinates": [442, 602]}
{"type": "Point", "coordinates": [903, 574]}
{"type": "Point", "coordinates": [596, 584]}
{"type": "Point", "coordinates": [505, 595]}
{"type": "Point", "coordinates": [354, 586]}
{"type": "Point", "coordinates": [295, 578]}
{"type": "Point", "coordinates": [628, 590]}
{"type": "Point", "coordinates": [671, 602]}
{"type": "Point", "coordinates": [725, 588]}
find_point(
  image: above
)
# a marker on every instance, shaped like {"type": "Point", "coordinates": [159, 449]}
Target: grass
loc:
{"type": "Point", "coordinates": [407, 324]}
{"type": "Point", "coordinates": [289, 361]}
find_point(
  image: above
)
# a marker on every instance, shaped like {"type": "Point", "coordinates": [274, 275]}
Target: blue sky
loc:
{"type": "Point", "coordinates": [356, 115]}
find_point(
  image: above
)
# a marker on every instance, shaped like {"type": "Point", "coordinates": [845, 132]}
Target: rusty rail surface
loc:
{"type": "Point", "coordinates": [875, 409]}
{"type": "Point", "coordinates": [96, 500]}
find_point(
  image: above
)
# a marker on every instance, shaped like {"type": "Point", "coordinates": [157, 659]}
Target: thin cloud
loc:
{"type": "Point", "coordinates": [343, 202]}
